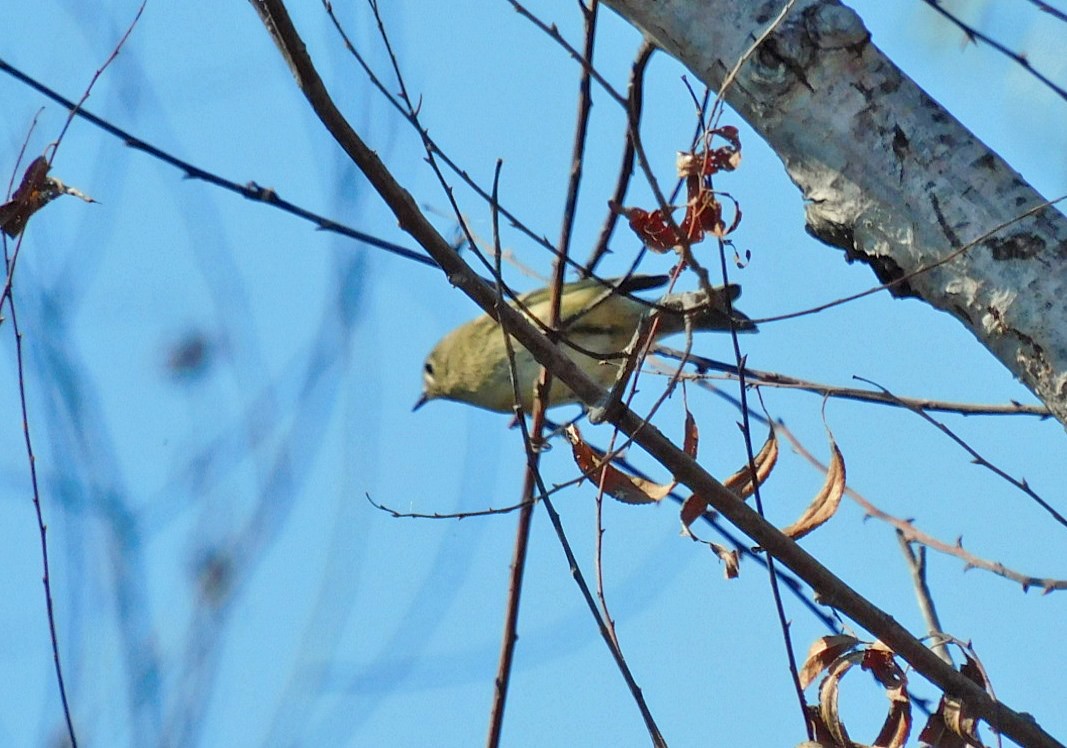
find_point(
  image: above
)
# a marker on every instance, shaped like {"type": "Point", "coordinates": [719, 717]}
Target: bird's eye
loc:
{"type": "Point", "coordinates": [429, 368]}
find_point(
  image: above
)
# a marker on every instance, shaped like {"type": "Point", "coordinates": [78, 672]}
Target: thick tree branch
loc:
{"type": "Point", "coordinates": [886, 173]}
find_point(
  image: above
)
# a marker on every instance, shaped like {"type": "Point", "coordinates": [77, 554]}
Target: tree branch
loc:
{"type": "Point", "coordinates": [885, 172]}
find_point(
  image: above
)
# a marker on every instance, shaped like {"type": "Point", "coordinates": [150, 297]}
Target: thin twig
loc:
{"type": "Point", "coordinates": [1022, 485]}
{"type": "Point", "coordinates": [397, 514]}
{"type": "Point", "coordinates": [636, 99]}
{"type": "Point", "coordinates": [1021, 60]}
{"type": "Point", "coordinates": [746, 431]}
{"type": "Point", "coordinates": [915, 535]}
{"type": "Point", "coordinates": [250, 190]}
{"type": "Point", "coordinates": [530, 482]}
{"type": "Point", "coordinates": [42, 528]}
{"type": "Point", "coordinates": [9, 295]}
{"type": "Point", "coordinates": [759, 378]}
{"type": "Point", "coordinates": [720, 99]}
{"type": "Point", "coordinates": [917, 568]}
{"type": "Point", "coordinates": [919, 270]}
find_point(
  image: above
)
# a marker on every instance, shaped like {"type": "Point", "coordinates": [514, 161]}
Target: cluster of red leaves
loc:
{"type": "Point", "coordinates": [703, 211]}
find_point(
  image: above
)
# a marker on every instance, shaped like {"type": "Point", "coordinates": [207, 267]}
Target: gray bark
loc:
{"type": "Point", "coordinates": [886, 173]}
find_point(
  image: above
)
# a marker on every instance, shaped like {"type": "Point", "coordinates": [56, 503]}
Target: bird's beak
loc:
{"type": "Point", "coordinates": [423, 399]}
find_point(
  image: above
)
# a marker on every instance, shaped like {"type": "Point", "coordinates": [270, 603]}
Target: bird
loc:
{"type": "Point", "coordinates": [597, 321]}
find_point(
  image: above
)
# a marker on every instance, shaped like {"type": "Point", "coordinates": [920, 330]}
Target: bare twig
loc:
{"type": "Point", "coordinates": [746, 431]}
{"type": "Point", "coordinates": [919, 270]}
{"type": "Point", "coordinates": [917, 567]}
{"type": "Point", "coordinates": [759, 378]}
{"type": "Point", "coordinates": [719, 106]}
{"type": "Point", "coordinates": [915, 535]}
{"type": "Point", "coordinates": [251, 190]}
{"type": "Point", "coordinates": [9, 295]}
{"type": "Point", "coordinates": [1022, 485]}
{"type": "Point", "coordinates": [635, 99]}
{"type": "Point", "coordinates": [1019, 59]}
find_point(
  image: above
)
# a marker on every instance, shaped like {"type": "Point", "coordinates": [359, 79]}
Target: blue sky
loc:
{"type": "Point", "coordinates": [345, 626]}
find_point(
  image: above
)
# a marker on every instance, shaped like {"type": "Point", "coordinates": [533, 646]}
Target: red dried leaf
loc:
{"type": "Point", "coordinates": [32, 195]}
{"type": "Point", "coordinates": [712, 160]}
{"type": "Point", "coordinates": [825, 503]}
{"type": "Point", "coordinates": [703, 214]}
{"type": "Point", "coordinates": [692, 435]}
{"type": "Point", "coordinates": [36, 190]}
{"type": "Point", "coordinates": [723, 158]}
{"type": "Point", "coordinates": [652, 228]}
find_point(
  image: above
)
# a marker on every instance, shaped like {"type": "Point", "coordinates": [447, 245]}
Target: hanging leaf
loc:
{"type": "Point", "coordinates": [825, 503]}
{"type": "Point", "coordinates": [875, 658]}
{"type": "Point", "coordinates": [730, 558]}
{"type": "Point", "coordinates": [741, 481]}
{"type": "Point", "coordinates": [828, 697]}
{"type": "Point", "coordinates": [36, 190]}
{"type": "Point", "coordinates": [954, 724]}
{"type": "Point", "coordinates": [628, 489]}
{"type": "Point", "coordinates": [822, 653]}
{"type": "Point", "coordinates": [651, 227]}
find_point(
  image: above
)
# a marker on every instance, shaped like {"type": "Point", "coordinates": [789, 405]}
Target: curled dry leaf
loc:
{"type": "Point", "coordinates": [879, 660]}
{"type": "Point", "coordinates": [822, 653]}
{"type": "Point", "coordinates": [624, 487]}
{"type": "Point", "coordinates": [825, 503]}
{"type": "Point", "coordinates": [876, 658]}
{"type": "Point", "coordinates": [730, 558]}
{"type": "Point", "coordinates": [740, 482]}
{"type": "Point", "coordinates": [629, 489]}
{"type": "Point", "coordinates": [703, 211]}
{"type": "Point", "coordinates": [36, 190]}
{"type": "Point", "coordinates": [954, 724]}
{"type": "Point", "coordinates": [823, 738]}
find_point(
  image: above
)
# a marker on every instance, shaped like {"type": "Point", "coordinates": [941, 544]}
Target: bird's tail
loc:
{"type": "Point", "coordinates": [705, 313]}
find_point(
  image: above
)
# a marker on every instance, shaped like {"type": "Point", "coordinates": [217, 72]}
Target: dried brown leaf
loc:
{"type": "Point", "coordinates": [622, 486]}
{"type": "Point", "coordinates": [741, 481]}
{"type": "Point", "coordinates": [822, 653]}
{"type": "Point", "coordinates": [880, 661]}
{"type": "Point", "coordinates": [825, 503]}
{"type": "Point", "coordinates": [823, 738]}
{"type": "Point", "coordinates": [692, 509]}
{"type": "Point", "coordinates": [692, 435]}
{"type": "Point", "coordinates": [30, 197]}
{"type": "Point", "coordinates": [730, 558]}
{"type": "Point", "coordinates": [954, 724]}
{"type": "Point", "coordinates": [36, 190]}
{"type": "Point", "coordinates": [837, 655]}
{"type": "Point", "coordinates": [828, 696]}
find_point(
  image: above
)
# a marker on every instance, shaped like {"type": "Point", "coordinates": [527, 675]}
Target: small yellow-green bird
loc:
{"type": "Point", "coordinates": [470, 364]}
